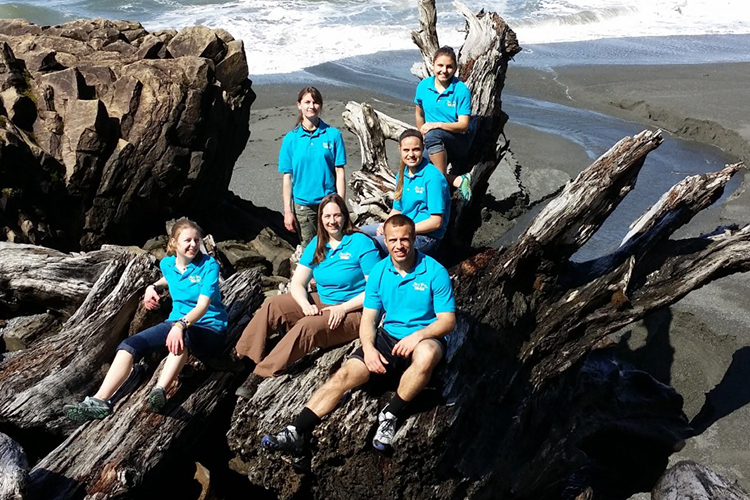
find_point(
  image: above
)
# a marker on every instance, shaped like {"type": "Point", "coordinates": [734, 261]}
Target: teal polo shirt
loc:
{"type": "Point", "coordinates": [200, 278]}
{"type": "Point", "coordinates": [411, 302]}
{"type": "Point", "coordinates": [341, 274]}
{"type": "Point", "coordinates": [425, 193]}
{"type": "Point", "coordinates": [312, 158]}
{"type": "Point", "coordinates": [446, 106]}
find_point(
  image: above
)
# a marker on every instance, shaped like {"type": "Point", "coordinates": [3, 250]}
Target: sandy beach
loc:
{"type": "Point", "coordinates": [699, 345]}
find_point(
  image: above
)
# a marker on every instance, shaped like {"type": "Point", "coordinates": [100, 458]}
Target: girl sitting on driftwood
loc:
{"type": "Point", "coordinates": [422, 194]}
{"type": "Point", "coordinates": [196, 325]}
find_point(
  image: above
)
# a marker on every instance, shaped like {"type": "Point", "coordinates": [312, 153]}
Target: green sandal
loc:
{"type": "Point", "coordinates": [88, 409]}
{"type": "Point", "coordinates": [464, 188]}
{"type": "Point", "coordinates": [157, 400]}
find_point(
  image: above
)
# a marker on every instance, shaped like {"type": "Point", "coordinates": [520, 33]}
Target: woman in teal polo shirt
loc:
{"type": "Point", "coordinates": [196, 324]}
{"type": "Point", "coordinates": [339, 258]}
{"type": "Point", "coordinates": [422, 194]}
{"type": "Point", "coordinates": [312, 160]}
{"type": "Point", "coordinates": [443, 115]}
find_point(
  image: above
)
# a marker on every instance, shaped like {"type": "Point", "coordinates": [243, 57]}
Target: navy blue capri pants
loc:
{"type": "Point", "coordinates": [199, 341]}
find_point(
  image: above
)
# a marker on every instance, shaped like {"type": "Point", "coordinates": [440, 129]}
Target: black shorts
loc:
{"type": "Point", "coordinates": [384, 343]}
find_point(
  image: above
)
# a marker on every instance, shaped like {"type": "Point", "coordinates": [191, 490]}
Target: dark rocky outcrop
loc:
{"type": "Point", "coordinates": [106, 131]}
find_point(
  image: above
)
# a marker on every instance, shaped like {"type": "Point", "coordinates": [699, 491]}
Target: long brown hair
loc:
{"type": "Point", "coordinates": [179, 225]}
{"type": "Point", "coordinates": [409, 132]}
{"type": "Point", "coordinates": [346, 225]}
{"type": "Point", "coordinates": [316, 96]}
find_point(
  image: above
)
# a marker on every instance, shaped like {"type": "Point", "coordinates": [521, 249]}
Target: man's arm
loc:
{"type": "Point", "coordinates": [373, 359]}
{"type": "Point", "coordinates": [442, 326]}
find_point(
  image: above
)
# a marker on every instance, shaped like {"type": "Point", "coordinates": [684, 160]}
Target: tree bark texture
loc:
{"type": "Point", "coordinates": [109, 458]}
{"type": "Point", "coordinates": [528, 405]}
{"type": "Point", "coordinates": [691, 480]}
{"type": "Point", "coordinates": [37, 278]}
{"type": "Point", "coordinates": [482, 65]}
{"type": "Point", "coordinates": [13, 470]}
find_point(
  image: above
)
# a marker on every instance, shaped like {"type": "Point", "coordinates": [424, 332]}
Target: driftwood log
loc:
{"type": "Point", "coordinates": [36, 278]}
{"type": "Point", "coordinates": [688, 479]}
{"type": "Point", "coordinates": [529, 403]}
{"type": "Point", "coordinates": [482, 65]}
{"type": "Point", "coordinates": [13, 470]}
{"type": "Point", "coordinates": [111, 458]}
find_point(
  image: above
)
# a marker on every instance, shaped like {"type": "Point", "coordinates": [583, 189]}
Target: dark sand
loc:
{"type": "Point", "coordinates": [700, 344]}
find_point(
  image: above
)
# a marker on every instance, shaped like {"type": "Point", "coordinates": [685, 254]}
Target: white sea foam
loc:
{"type": "Point", "coordinates": [288, 35]}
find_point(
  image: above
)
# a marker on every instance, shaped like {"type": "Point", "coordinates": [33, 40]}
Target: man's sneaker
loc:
{"type": "Point", "coordinates": [157, 400]}
{"type": "Point", "coordinates": [88, 409]}
{"type": "Point", "coordinates": [386, 431]}
{"type": "Point", "coordinates": [286, 441]}
{"type": "Point", "coordinates": [464, 188]}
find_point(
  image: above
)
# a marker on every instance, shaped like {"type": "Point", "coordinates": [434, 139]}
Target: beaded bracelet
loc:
{"type": "Point", "coordinates": [185, 324]}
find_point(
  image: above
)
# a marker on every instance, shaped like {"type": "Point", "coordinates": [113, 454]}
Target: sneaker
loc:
{"type": "Point", "coordinates": [286, 441]}
{"type": "Point", "coordinates": [88, 409]}
{"type": "Point", "coordinates": [157, 400]}
{"type": "Point", "coordinates": [464, 188]}
{"type": "Point", "coordinates": [386, 431]}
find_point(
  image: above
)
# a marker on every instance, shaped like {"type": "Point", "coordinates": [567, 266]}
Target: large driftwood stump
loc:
{"type": "Point", "coordinates": [527, 406]}
{"type": "Point", "coordinates": [66, 365]}
{"type": "Point", "coordinates": [482, 65]}
{"type": "Point", "coordinates": [110, 458]}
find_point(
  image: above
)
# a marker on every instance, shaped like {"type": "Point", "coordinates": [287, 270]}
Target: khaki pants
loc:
{"type": "Point", "coordinates": [304, 333]}
{"type": "Point", "coordinates": [307, 222]}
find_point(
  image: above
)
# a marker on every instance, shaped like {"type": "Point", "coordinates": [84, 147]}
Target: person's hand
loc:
{"type": "Point", "coordinates": [427, 127]}
{"type": "Point", "coordinates": [310, 309]}
{"type": "Point", "coordinates": [151, 298]}
{"type": "Point", "coordinates": [289, 222]}
{"type": "Point", "coordinates": [336, 315]}
{"type": "Point", "coordinates": [379, 230]}
{"type": "Point", "coordinates": [374, 360]}
{"type": "Point", "coordinates": [174, 340]}
{"type": "Point", "coordinates": [406, 345]}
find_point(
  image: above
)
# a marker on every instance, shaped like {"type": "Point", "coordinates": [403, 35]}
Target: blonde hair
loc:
{"type": "Point", "coordinates": [179, 225]}
{"type": "Point", "coordinates": [410, 132]}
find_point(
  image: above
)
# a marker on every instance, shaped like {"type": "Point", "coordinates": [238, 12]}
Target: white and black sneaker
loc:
{"type": "Point", "coordinates": [387, 422]}
{"type": "Point", "coordinates": [287, 441]}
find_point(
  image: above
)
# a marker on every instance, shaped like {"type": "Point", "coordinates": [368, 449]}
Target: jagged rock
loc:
{"type": "Point", "coordinates": [276, 250]}
{"type": "Point", "coordinates": [241, 256]}
{"type": "Point", "coordinates": [129, 128]}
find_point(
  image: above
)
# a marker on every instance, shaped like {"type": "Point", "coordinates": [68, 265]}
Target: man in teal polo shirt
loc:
{"type": "Point", "coordinates": [415, 293]}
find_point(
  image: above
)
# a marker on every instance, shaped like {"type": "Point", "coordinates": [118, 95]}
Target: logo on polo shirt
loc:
{"type": "Point", "coordinates": [420, 287]}
{"type": "Point", "coordinates": [194, 278]}
{"type": "Point", "coordinates": [327, 145]}
{"type": "Point", "coordinates": [345, 255]}
{"type": "Point", "coordinates": [450, 104]}
{"type": "Point", "coordinates": [418, 190]}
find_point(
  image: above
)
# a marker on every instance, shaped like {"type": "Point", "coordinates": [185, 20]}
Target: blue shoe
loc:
{"type": "Point", "coordinates": [287, 441]}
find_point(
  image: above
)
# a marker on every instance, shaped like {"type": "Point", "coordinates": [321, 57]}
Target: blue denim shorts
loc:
{"type": "Point", "coordinates": [456, 146]}
{"type": "Point", "coordinates": [200, 342]}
